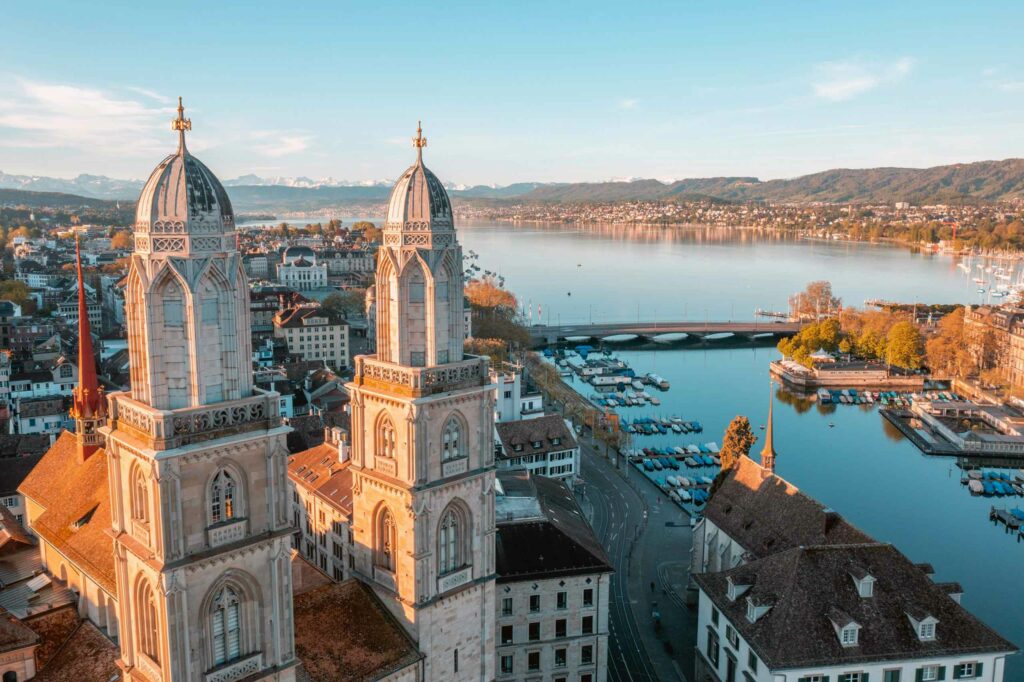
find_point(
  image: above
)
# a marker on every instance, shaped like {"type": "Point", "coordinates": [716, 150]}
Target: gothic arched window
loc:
{"type": "Point", "coordinates": [449, 541]}
{"type": "Point", "coordinates": [226, 626]}
{"type": "Point", "coordinates": [451, 440]}
{"type": "Point", "coordinates": [385, 440]}
{"type": "Point", "coordinates": [386, 540]}
{"type": "Point", "coordinates": [148, 631]}
{"type": "Point", "coordinates": [223, 494]}
{"type": "Point", "coordinates": [139, 495]}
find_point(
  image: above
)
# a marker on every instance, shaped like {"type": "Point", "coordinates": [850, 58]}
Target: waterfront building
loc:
{"type": "Point", "coordinates": [312, 335]}
{"type": "Point", "coordinates": [995, 336]}
{"type": "Point", "coordinates": [515, 397]}
{"type": "Point", "coordinates": [787, 589]}
{"type": "Point", "coordinates": [544, 446]}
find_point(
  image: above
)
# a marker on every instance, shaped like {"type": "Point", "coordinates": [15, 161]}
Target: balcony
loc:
{"type": "Point", "coordinates": [226, 533]}
{"type": "Point", "coordinates": [455, 579]}
{"type": "Point", "coordinates": [236, 670]}
{"type": "Point", "coordinates": [166, 429]}
{"type": "Point", "coordinates": [416, 382]}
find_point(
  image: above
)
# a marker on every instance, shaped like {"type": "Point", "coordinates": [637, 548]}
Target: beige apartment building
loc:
{"type": "Point", "coordinates": [312, 335]}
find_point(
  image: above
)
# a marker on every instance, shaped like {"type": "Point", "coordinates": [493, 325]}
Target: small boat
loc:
{"type": "Point", "coordinates": [684, 495]}
{"type": "Point", "coordinates": [679, 450]}
{"type": "Point", "coordinates": [690, 462]}
{"type": "Point", "coordinates": [975, 487]}
{"type": "Point", "coordinates": [696, 427]}
{"type": "Point", "coordinates": [974, 475]}
{"type": "Point", "coordinates": [693, 449]}
{"type": "Point", "coordinates": [677, 428]}
{"type": "Point", "coordinates": [655, 401]}
{"type": "Point", "coordinates": [656, 463]}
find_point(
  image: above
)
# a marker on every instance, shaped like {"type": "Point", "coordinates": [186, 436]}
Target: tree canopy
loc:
{"type": "Point", "coordinates": [736, 443]}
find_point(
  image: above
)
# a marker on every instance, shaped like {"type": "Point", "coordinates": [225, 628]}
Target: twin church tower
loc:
{"type": "Point", "coordinates": [197, 457]}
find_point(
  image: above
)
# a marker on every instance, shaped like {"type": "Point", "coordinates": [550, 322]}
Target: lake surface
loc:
{"type": "Point", "coordinates": [861, 467]}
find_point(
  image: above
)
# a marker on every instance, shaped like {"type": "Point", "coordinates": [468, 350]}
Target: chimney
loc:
{"type": "Point", "coordinates": [829, 519]}
{"type": "Point", "coordinates": [343, 447]}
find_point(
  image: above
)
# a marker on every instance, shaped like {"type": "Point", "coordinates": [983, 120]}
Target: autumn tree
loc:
{"type": "Point", "coordinates": [815, 302]}
{"type": "Point", "coordinates": [948, 350]}
{"type": "Point", "coordinates": [904, 346]}
{"type": "Point", "coordinates": [13, 290]}
{"type": "Point", "coordinates": [121, 241]}
{"type": "Point", "coordinates": [736, 443]}
{"type": "Point", "coordinates": [494, 312]}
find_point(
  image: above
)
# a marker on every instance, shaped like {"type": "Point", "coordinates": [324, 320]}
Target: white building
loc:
{"type": "Point", "coordinates": [514, 398]}
{"type": "Point", "coordinates": [544, 446]}
{"type": "Point", "coordinates": [301, 271]}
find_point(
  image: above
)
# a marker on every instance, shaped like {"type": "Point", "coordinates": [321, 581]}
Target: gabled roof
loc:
{"type": "Point", "coordinates": [318, 470]}
{"type": "Point", "coordinates": [556, 540]}
{"type": "Point", "coordinates": [813, 594]}
{"type": "Point", "coordinates": [13, 471]}
{"type": "Point", "coordinates": [14, 634]}
{"type": "Point", "coordinates": [764, 513]}
{"type": "Point", "coordinates": [76, 500]}
{"type": "Point", "coordinates": [527, 432]}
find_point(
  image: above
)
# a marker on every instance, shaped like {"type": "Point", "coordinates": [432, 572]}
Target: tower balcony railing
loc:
{"type": "Point", "coordinates": [421, 381]}
{"type": "Point", "coordinates": [165, 429]}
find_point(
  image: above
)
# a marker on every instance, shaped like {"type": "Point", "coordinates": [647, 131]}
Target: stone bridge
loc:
{"type": "Point", "coordinates": [546, 335]}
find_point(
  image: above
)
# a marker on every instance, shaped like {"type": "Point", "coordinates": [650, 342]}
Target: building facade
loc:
{"type": "Point", "coordinates": [544, 446]}
{"type": "Point", "coordinates": [313, 336]}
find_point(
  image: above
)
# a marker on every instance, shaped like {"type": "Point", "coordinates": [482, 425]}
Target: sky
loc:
{"type": "Point", "coordinates": [510, 91]}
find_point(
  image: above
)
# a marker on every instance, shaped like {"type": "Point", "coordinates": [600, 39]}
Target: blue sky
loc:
{"type": "Point", "coordinates": [511, 91]}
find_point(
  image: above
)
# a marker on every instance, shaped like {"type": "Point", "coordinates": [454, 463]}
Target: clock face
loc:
{"type": "Point", "coordinates": [88, 428]}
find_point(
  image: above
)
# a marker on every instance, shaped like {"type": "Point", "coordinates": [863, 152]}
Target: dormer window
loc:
{"type": "Point", "coordinates": [924, 624]}
{"type": "Point", "coordinates": [751, 611]}
{"type": "Point", "coordinates": [734, 590]}
{"type": "Point", "coordinates": [536, 444]}
{"type": "Point", "coordinates": [865, 585]}
{"type": "Point", "coordinates": [556, 441]}
{"type": "Point", "coordinates": [847, 629]}
{"type": "Point", "coordinates": [848, 636]}
{"type": "Point", "coordinates": [926, 631]}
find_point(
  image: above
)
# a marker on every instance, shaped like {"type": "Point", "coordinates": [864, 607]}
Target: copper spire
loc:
{"type": "Point", "coordinates": [768, 451]}
{"type": "Point", "coordinates": [181, 124]}
{"type": "Point", "coordinates": [419, 141]}
{"type": "Point", "coordinates": [88, 403]}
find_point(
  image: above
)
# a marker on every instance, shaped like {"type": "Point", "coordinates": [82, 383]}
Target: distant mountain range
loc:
{"type": "Point", "coordinates": [981, 181]}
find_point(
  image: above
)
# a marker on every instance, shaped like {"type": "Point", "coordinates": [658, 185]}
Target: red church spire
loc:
{"type": "Point", "coordinates": [89, 406]}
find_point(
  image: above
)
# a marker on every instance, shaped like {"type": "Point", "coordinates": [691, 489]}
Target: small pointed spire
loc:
{"type": "Point", "coordinates": [181, 124]}
{"type": "Point", "coordinates": [768, 451]}
{"type": "Point", "coordinates": [419, 141]}
{"type": "Point", "coordinates": [89, 405]}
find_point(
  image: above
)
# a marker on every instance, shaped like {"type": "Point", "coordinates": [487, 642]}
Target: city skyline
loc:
{"type": "Point", "coordinates": [567, 94]}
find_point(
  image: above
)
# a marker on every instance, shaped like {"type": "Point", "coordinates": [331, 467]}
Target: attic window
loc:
{"type": "Point", "coordinates": [733, 590]}
{"type": "Point", "coordinates": [556, 441]}
{"type": "Point", "coordinates": [848, 635]}
{"type": "Point", "coordinates": [751, 612]}
{"type": "Point", "coordinates": [84, 519]}
{"type": "Point", "coordinates": [536, 444]}
{"type": "Point", "coordinates": [517, 447]}
{"type": "Point", "coordinates": [926, 630]}
{"type": "Point", "coordinates": [865, 586]}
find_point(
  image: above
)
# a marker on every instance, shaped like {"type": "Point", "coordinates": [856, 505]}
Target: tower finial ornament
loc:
{"type": "Point", "coordinates": [419, 141]}
{"type": "Point", "coordinates": [181, 124]}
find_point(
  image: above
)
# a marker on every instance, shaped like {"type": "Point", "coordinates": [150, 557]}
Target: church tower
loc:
{"type": "Point", "coordinates": [423, 455]}
{"type": "Point", "coordinates": [196, 457]}
{"type": "Point", "coordinates": [88, 407]}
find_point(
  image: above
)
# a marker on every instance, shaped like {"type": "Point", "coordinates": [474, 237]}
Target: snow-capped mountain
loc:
{"type": "Point", "coordinates": [93, 186]}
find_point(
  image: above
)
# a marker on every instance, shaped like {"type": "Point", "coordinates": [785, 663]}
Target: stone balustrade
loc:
{"type": "Point", "coordinates": [454, 467]}
{"type": "Point", "coordinates": [450, 581]}
{"type": "Point", "coordinates": [224, 533]}
{"type": "Point", "coordinates": [421, 381]}
{"type": "Point", "coordinates": [167, 429]}
{"type": "Point", "coordinates": [236, 670]}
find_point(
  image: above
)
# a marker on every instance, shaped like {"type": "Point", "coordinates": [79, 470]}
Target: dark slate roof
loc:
{"type": "Point", "coordinates": [86, 655]}
{"type": "Point", "coordinates": [13, 471]}
{"type": "Point", "coordinates": [419, 198]}
{"type": "Point", "coordinates": [14, 634]}
{"type": "Point", "coordinates": [557, 541]}
{"type": "Point", "coordinates": [542, 430]}
{"type": "Point", "coordinates": [812, 588]}
{"type": "Point", "coordinates": [764, 513]}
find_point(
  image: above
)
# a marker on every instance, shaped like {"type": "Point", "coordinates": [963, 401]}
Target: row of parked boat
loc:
{"type": "Point", "coordinates": [851, 396]}
{"type": "Point", "coordinates": [994, 483]}
{"type": "Point", "coordinates": [652, 426]}
{"type": "Point", "coordinates": [683, 490]}
{"type": "Point", "coordinates": [666, 462]}
{"type": "Point", "coordinates": [626, 398]}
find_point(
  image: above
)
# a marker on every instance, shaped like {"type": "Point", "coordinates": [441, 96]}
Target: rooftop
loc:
{"type": "Point", "coordinates": [535, 436]}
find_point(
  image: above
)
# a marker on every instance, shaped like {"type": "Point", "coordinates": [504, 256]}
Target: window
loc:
{"type": "Point", "coordinates": [851, 677]}
{"type": "Point", "coordinates": [534, 632]}
{"type": "Point", "coordinates": [732, 637]}
{"type": "Point", "coordinates": [560, 627]}
{"type": "Point", "coordinates": [385, 438]}
{"type": "Point", "coordinates": [588, 597]}
{"type": "Point", "coordinates": [586, 677]}
{"type": "Point", "coordinates": [848, 635]}
{"type": "Point", "coordinates": [225, 627]}
{"type": "Point", "coordinates": [507, 634]}
{"type": "Point", "coordinates": [450, 440]}
{"type": "Point", "coordinates": [812, 678]}
{"type": "Point", "coordinates": [588, 625]}
{"type": "Point", "coordinates": [533, 660]}
{"type": "Point", "coordinates": [146, 607]}
{"type": "Point", "coordinates": [926, 630]}
{"type": "Point", "coordinates": [714, 615]}
{"type": "Point", "coordinates": [139, 497]}
{"type": "Point", "coordinates": [752, 661]}
{"type": "Point", "coordinates": [929, 673]}
{"type": "Point", "coordinates": [534, 603]}
{"type": "Point", "coordinates": [891, 675]}
{"type": "Point", "coordinates": [455, 660]}
{"type": "Point", "coordinates": [417, 358]}
{"type": "Point", "coordinates": [507, 663]}
{"type": "Point", "coordinates": [965, 670]}
{"type": "Point", "coordinates": [448, 541]}
{"type": "Point", "coordinates": [506, 606]}
{"type": "Point", "coordinates": [712, 648]}
{"type": "Point", "coordinates": [386, 541]}
{"type": "Point", "coordinates": [222, 497]}
{"type": "Point", "coordinates": [562, 600]}
{"type": "Point", "coordinates": [586, 654]}
{"type": "Point", "coordinates": [508, 394]}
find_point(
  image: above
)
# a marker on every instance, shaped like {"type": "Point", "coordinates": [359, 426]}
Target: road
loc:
{"type": "Point", "coordinates": [648, 541]}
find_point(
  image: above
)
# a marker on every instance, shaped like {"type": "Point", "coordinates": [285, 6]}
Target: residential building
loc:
{"type": "Point", "coordinates": [515, 397]}
{"type": "Point", "coordinates": [312, 335]}
{"type": "Point", "coordinates": [544, 446]}
{"type": "Point", "coordinates": [37, 415]}
{"type": "Point", "coordinates": [995, 336]}
{"type": "Point", "coordinates": [552, 586]}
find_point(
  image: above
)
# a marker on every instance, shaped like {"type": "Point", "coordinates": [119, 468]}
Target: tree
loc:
{"type": "Point", "coordinates": [13, 290]}
{"type": "Point", "coordinates": [904, 347]}
{"type": "Point", "coordinates": [736, 443]}
{"type": "Point", "coordinates": [815, 302]}
{"type": "Point", "coordinates": [121, 241]}
{"type": "Point", "coordinates": [347, 303]}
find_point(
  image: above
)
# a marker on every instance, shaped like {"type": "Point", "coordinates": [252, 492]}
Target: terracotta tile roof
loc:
{"type": "Point", "coordinates": [372, 643]}
{"type": "Point", "coordinates": [86, 655]}
{"type": "Point", "coordinates": [13, 535]}
{"type": "Point", "coordinates": [14, 634]}
{"type": "Point", "coordinates": [558, 540]}
{"type": "Point", "coordinates": [318, 469]}
{"type": "Point", "coordinates": [53, 627]}
{"type": "Point", "coordinates": [812, 588]}
{"type": "Point", "coordinates": [77, 503]}
{"type": "Point", "coordinates": [535, 436]}
{"type": "Point", "coordinates": [764, 513]}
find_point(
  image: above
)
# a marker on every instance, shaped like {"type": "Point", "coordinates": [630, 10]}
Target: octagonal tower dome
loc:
{"type": "Point", "coordinates": [183, 207]}
{"type": "Point", "coordinates": [419, 201]}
